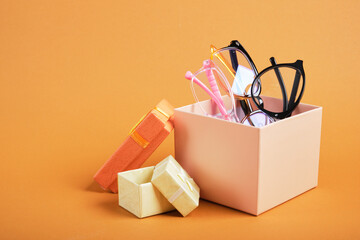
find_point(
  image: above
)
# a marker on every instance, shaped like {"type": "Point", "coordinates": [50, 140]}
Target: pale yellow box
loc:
{"type": "Point", "coordinates": [176, 185]}
{"type": "Point", "coordinates": [139, 196]}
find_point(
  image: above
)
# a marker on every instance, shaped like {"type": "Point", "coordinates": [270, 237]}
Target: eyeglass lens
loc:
{"type": "Point", "coordinates": [202, 96]}
{"type": "Point", "coordinates": [236, 68]}
{"type": "Point", "coordinates": [275, 96]}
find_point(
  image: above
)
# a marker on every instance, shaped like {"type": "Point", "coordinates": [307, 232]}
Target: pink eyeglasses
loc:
{"type": "Point", "coordinates": [204, 83]}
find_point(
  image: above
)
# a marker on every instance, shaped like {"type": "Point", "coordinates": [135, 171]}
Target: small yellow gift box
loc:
{"type": "Point", "coordinates": [176, 185]}
{"type": "Point", "coordinates": [139, 196]}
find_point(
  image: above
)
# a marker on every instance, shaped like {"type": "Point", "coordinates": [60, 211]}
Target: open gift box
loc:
{"type": "Point", "coordinates": [247, 168]}
{"type": "Point", "coordinates": [138, 195]}
{"type": "Point", "coordinates": [153, 190]}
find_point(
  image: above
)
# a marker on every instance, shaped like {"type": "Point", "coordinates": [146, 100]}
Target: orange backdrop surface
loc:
{"type": "Point", "coordinates": [75, 76]}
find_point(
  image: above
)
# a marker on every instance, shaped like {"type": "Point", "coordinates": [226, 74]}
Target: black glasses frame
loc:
{"type": "Point", "coordinates": [234, 62]}
{"type": "Point", "coordinates": [288, 105]}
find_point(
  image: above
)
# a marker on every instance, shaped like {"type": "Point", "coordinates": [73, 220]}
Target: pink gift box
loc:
{"type": "Point", "coordinates": [247, 168]}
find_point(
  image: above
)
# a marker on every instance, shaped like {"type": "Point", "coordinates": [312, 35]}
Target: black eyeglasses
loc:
{"type": "Point", "coordinates": [272, 82]}
{"type": "Point", "coordinates": [276, 83]}
{"type": "Point", "coordinates": [233, 56]}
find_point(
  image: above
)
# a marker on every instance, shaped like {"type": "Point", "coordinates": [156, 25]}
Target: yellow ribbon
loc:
{"type": "Point", "coordinates": [139, 139]}
{"type": "Point", "coordinates": [183, 177]}
{"type": "Point", "coordinates": [162, 112]}
{"type": "Point", "coordinates": [136, 136]}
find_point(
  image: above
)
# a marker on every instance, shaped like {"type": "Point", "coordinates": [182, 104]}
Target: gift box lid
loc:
{"type": "Point", "coordinates": [143, 140]}
{"type": "Point", "coordinates": [176, 185]}
{"type": "Point", "coordinates": [139, 196]}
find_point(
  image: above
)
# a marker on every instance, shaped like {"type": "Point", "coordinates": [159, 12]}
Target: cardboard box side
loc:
{"type": "Point", "coordinates": [289, 158]}
{"type": "Point", "coordinates": [168, 185]}
{"type": "Point", "coordinates": [185, 204]}
{"type": "Point", "coordinates": [129, 196]}
{"type": "Point", "coordinates": [152, 201]}
{"type": "Point", "coordinates": [118, 162]}
{"type": "Point", "coordinates": [209, 106]}
{"type": "Point", "coordinates": [173, 169]}
{"type": "Point", "coordinates": [221, 156]}
{"type": "Point", "coordinates": [165, 184]}
{"type": "Point", "coordinates": [188, 200]}
{"type": "Point", "coordinates": [176, 185]}
{"type": "Point", "coordinates": [138, 176]}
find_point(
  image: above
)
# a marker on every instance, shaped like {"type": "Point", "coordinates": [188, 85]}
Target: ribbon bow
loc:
{"type": "Point", "coordinates": [183, 176]}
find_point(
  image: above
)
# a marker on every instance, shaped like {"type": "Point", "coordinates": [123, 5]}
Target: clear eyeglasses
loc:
{"type": "Point", "coordinates": [240, 71]}
{"type": "Point", "coordinates": [209, 82]}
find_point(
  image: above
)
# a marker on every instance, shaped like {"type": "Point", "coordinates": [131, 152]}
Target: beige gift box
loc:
{"type": "Point", "coordinates": [139, 196]}
{"type": "Point", "coordinates": [176, 185]}
{"type": "Point", "coordinates": [248, 168]}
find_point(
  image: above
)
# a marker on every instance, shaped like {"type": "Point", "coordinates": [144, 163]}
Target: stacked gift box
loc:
{"type": "Point", "coordinates": [151, 190]}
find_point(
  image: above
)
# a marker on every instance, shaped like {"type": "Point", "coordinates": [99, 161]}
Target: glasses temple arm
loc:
{"type": "Point", "coordinates": [281, 83]}
{"type": "Point", "coordinates": [234, 61]}
{"type": "Point", "coordinates": [236, 43]}
{"type": "Point", "coordinates": [294, 89]}
{"type": "Point", "coordinates": [212, 81]}
{"type": "Point", "coordinates": [219, 56]}
{"type": "Point", "coordinates": [191, 77]}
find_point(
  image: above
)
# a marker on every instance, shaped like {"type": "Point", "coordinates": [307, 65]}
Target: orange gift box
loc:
{"type": "Point", "coordinates": [144, 138]}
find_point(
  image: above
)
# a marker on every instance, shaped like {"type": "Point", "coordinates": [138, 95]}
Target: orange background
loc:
{"type": "Point", "coordinates": [75, 76]}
